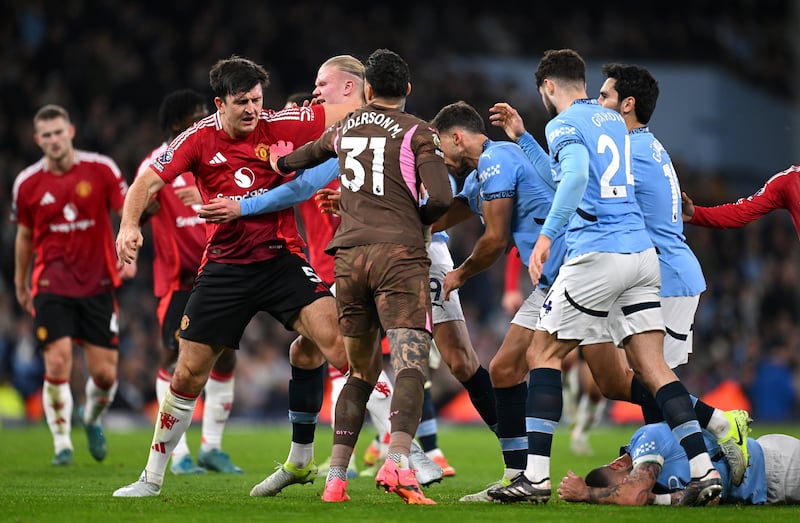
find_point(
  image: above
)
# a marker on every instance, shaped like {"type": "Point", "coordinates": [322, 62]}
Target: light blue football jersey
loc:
{"type": "Point", "coordinates": [658, 192]}
{"type": "Point", "coordinates": [504, 171]}
{"type": "Point", "coordinates": [754, 486]}
{"type": "Point", "coordinates": [655, 442]}
{"type": "Point", "coordinates": [608, 218]}
{"type": "Point", "coordinates": [656, 439]}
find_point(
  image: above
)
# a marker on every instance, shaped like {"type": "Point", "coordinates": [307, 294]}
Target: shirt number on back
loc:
{"type": "Point", "coordinates": [606, 144]}
{"type": "Point", "coordinates": [675, 189]}
{"type": "Point", "coordinates": [354, 146]}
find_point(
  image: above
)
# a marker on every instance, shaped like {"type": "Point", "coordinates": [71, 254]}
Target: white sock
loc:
{"type": "Point", "coordinates": [435, 453]}
{"type": "Point", "coordinates": [570, 390]}
{"type": "Point", "coordinates": [380, 402]}
{"type": "Point", "coordinates": [162, 386]}
{"type": "Point", "coordinates": [217, 410]}
{"type": "Point", "coordinates": [174, 417]}
{"type": "Point", "coordinates": [301, 454]}
{"type": "Point", "coordinates": [510, 474]}
{"type": "Point", "coordinates": [718, 425]}
{"type": "Point", "coordinates": [699, 465]}
{"type": "Point", "coordinates": [538, 468]}
{"type": "Point", "coordinates": [97, 401]}
{"type": "Point", "coordinates": [57, 400]}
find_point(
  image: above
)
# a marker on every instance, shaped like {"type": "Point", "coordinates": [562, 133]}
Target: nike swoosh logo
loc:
{"type": "Point", "coordinates": [739, 434]}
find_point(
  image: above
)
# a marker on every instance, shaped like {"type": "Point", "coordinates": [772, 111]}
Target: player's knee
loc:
{"type": "Point", "coordinates": [502, 374]}
{"type": "Point", "coordinates": [305, 354]}
{"type": "Point", "coordinates": [105, 378]}
{"type": "Point", "coordinates": [462, 367]}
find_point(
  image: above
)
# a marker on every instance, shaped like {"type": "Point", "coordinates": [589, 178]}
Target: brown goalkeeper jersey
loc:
{"type": "Point", "coordinates": [392, 174]}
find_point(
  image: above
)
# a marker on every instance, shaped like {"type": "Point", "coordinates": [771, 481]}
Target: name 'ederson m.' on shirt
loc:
{"type": "Point", "coordinates": [384, 156]}
{"type": "Point", "coordinates": [238, 168]}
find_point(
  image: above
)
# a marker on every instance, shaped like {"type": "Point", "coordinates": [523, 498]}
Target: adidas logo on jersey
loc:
{"type": "Point", "coordinates": [47, 199]}
{"type": "Point", "coordinates": [217, 159]}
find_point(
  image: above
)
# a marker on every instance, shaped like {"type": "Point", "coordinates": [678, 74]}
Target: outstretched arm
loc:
{"type": "Point", "coordinates": [490, 246]}
{"type": "Point", "coordinates": [300, 189]}
{"type": "Point", "coordinates": [504, 116]}
{"type": "Point", "coordinates": [635, 489]}
{"type": "Point", "coordinates": [775, 194]}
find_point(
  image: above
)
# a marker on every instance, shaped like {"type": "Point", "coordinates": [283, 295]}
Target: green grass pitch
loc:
{"type": "Point", "coordinates": [33, 491]}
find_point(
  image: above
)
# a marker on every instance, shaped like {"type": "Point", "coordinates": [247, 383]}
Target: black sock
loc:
{"type": "Point", "coordinates": [306, 390]}
{"type": "Point", "coordinates": [511, 425]}
{"type": "Point", "coordinates": [481, 393]}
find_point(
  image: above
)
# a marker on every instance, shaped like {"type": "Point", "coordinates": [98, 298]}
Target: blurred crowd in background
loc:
{"type": "Point", "coordinates": [110, 63]}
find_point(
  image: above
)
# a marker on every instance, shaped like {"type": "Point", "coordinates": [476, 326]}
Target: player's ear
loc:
{"type": "Point", "coordinates": [408, 89]}
{"type": "Point", "coordinates": [628, 105]}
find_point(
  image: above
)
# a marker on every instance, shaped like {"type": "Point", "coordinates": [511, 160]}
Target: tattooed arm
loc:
{"type": "Point", "coordinates": [633, 488]}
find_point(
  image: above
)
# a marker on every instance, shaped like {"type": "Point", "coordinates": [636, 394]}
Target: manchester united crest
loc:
{"type": "Point", "coordinates": [83, 189]}
{"type": "Point", "coordinates": [262, 152]}
{"type": "Point", "coordinates": [184, 322]}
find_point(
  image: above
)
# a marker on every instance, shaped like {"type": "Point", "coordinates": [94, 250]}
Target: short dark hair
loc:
{"type": "Point", "coordinates": [49, 112]}
{"type": "Point", "coordinates": [298, 98]}
{"type": "Point", "coordinates": [599, 477]}
{"type": "Point", "coordinates": [561, 64]}
{"type": "Point", "coordinates": [177, 106]}
{"type": "Point", "coordinates": [387, 73]}
{"type": "Point", "coordinates": [234, 75]}
{"type": "Point", "coordinates": [459, 114]}
{"type": "Point", "coordinates": [635, 81]}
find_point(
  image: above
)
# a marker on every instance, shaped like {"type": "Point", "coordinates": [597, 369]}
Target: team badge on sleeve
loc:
{"type": "Point", "coordinates": [166, 156]}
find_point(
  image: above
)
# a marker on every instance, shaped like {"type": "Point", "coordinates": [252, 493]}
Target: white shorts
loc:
{"type": "Point", "coordinates": [441, 264]}
{"type": "Point", "coordinates": [782, 463]}
{"type": "Point", "coordinates": [600, 294]}
{"type": "Point", "coordinates": [528, 314]}
{"type": "Point", "coordinates": [678, 312]}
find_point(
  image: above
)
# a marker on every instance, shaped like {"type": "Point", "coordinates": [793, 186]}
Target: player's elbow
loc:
{"type": "Point", "coordinates": [434, 209]}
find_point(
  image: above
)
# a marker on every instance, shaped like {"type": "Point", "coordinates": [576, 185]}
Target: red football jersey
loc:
{"type": "Point", "coordinates": [319, 229]}
{"type": "Point", "coordinates": [782, 191]}
{"type": "Point", "coordinates": [238, 168]}
{"type": "Point", "coordinates": [179, 235]}
{"type": "Point", "coordinates": [513, 268]}
{"type": "Point", "coordinates": [69, 216]}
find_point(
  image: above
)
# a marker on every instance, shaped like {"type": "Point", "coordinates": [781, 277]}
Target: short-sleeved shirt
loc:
{"type": "Point", "coordinates": [384, 149]}
{"type": "Point", "coordinates": [656, 442]}
{"type": "Point", "coordinates": [608, 218]}
{"type": "Point", "coordinates": [179, 235]}
{"type": "Point", "coordinates": [658, 192]}
{"type": "Point", "coordinates": [320, 228]}
{"type": "Point", "coordinates": [238, 168]}
{"type": "Point", "coordinates": [505, 172]}
{"type": "Point", "coordinates": [69, 216]}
